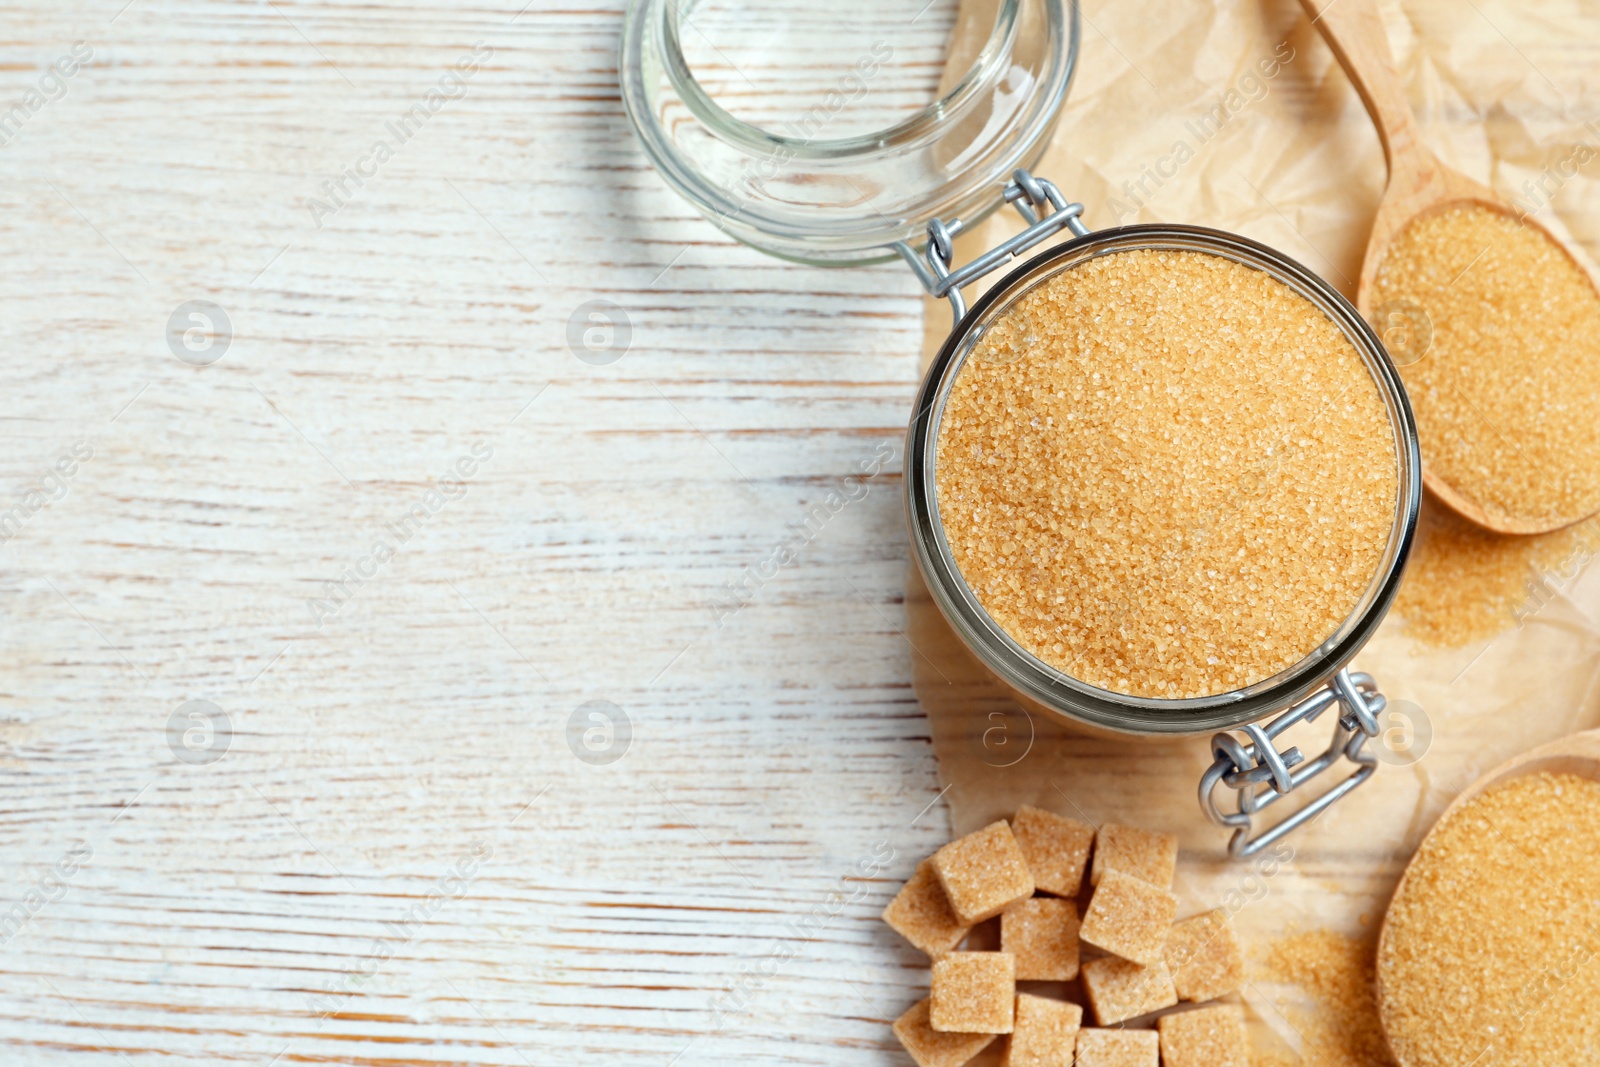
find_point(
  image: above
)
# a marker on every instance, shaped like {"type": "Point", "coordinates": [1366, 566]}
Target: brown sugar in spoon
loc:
{"type": "Point", "coordinates": [1576, 754]}
{"type": "Point", "coordinates": [1419, 186]}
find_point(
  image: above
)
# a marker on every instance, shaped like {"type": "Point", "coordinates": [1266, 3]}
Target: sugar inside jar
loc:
{"type": "Point", "coordinates": [1166, 474]}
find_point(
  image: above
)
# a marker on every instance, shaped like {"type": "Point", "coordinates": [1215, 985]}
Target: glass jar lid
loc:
{"type": "Point", "coordinates": [827, 132]}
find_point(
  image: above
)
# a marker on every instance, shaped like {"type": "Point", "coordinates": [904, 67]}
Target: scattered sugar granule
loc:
{"type": "Point", "coordinates": [983, 872]}
{"type": "Point", "coordinates": [1056, 848]}
{"type": "Point", "coordinates": [930, 1048]}
{"type": "Point", "coordinates": [1491, 949]}
{"type": "Point", "coordinates": [1166, 474]}
{"type": "Point", "coordinates": [1464, 583]}
{"type": "Point", "coordinates": [922, 915]}
{"type": "Point", "coordinates": [1507, 396]}
{"type": "Point", "coordinates": [1340, 1027]}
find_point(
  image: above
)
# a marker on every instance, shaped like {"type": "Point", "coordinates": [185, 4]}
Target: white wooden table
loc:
{"type": "Point", "coordinates": [273, 905]}
{"type": "Point", "coordinates": [401, 539]}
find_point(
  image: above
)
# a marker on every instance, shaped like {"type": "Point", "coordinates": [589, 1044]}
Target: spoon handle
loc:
{"type": "Point", "coordinates": [1355, 32]}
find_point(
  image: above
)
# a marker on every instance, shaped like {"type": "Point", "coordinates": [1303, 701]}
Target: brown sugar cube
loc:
{"type": "Point", "coordinates": [1118, 1048]}
{"type": "Point", "coordinates": [929, 1047]}
{"type": "Point", "coordinates": [973, 993]}
{"type": "Point", "coordinates": [1205, 1037]}
{"type": "Point", "coordinates": [921, 914]}
{"type": "Point", "coordinates": [1129, 918]}
{"type": "Point", "coordinates": [1204, 957]}
{"type": "Point", "coordinates": [1046, 1033]}
{"type": "Point", "coordinates": [1042, 933]}
{"type": "Point", "coordinates": [1119, 989]}
{"type": "Point", "coordinates": [1150, 855]}
{"type": "Point", "coordinates": [1056, 848]}
{"type": "Point", "coordinates": [983, 872]}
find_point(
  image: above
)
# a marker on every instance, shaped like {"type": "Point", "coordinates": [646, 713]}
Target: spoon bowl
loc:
{"type": "Point", "coordinates": [1577, 754]}
{"type": "Point", "coordinates": [1418, 185]}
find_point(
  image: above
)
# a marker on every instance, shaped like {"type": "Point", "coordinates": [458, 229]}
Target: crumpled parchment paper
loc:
{"type": "Point", "coordinates": [1234, 114]}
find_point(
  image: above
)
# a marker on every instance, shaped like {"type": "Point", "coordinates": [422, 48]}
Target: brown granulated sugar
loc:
{"type": "Point", "coordinates": [1491, 950]}
{"type": "Point", "coordinates": [1336, 973]}
{"type": "Point", "coordinates": [1166, 474]}
{"type": "Point", "coordinates": [1464, 583]}
{"type": "Point", "coordinates": [1507, 397]}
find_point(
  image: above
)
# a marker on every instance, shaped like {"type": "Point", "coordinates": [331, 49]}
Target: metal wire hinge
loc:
{"type": "Point", "coordinates": [1030, 196]}
{"type": "Point", "coordinates": [1261, 775]}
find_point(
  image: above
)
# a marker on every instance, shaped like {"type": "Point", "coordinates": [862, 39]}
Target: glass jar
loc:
{"type": "Point", "coordinates": [908, 190]}
{"type": "Point", "coordinates": [818, 179]}
{"type": "Point", "coordinates": [1254, 768]}
{"type": "Point", "coordinates": [1043, 685]}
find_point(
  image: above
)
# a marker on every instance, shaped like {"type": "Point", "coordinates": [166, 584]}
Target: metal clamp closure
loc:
{"type": "Point", "coordinates": [1030, 196]}
{"type": "Point", "coordinates": [1261, 775]}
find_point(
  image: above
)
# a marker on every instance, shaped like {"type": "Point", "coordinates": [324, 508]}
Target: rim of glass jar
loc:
{"type": "Point", "coordinates": [975, 202]}
{"type": "Point", "coordinates": [752, 136]}
{"type": "Point", "coordinates": [1060, 692]}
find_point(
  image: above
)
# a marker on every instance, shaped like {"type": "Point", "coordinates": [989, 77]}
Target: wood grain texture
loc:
{"type": "Point", "coordinates": [415, 740]}
{"type": "Point", "coordinates": [399, 859]}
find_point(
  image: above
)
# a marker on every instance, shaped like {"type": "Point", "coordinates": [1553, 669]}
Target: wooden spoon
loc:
{"type": "Point", "coordinates": [1418, 184]}
{"type": "Point", "coordinates": [1577, 754]}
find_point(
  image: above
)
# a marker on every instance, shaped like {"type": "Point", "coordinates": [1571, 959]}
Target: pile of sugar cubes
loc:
{"type": "Point", "coordinates": [1149, 963]}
